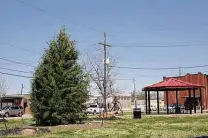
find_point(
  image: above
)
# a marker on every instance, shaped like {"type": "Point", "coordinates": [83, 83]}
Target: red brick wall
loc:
{"type": "Point", "coordinates": [14, 101]}
{"type": "Point", "coordinates": [193, 78]}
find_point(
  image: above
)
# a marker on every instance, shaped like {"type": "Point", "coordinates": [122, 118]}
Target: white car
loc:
{"type": "Point", "coordinates": [94, 109]}
{"type": "Point", "coordinates": [12, 110]}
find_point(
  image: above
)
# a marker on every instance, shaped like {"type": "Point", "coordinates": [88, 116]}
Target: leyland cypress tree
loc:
{"type": "Point", "coordinates": [59, 85]}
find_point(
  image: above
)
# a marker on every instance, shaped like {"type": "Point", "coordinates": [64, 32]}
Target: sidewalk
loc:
{"type": "Point", "coordinates": [25, 116]}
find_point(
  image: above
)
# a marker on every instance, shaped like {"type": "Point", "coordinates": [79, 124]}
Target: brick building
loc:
{"type": "Point", "coordinates": [201, 79]}
{"type": "Point", "coordinates": [12, 100]}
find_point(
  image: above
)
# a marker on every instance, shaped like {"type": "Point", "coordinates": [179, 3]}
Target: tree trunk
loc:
{"type": "Point", "coordinates": [104, 104]}
{"type": "Point", "coordinates": [1, 102]}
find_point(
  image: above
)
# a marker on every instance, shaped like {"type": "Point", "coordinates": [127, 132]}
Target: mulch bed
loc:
{"type": "Point", "coordinates": [15, 131]}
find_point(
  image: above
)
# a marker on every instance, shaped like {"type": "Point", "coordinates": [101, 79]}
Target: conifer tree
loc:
{"type": "Point", "coordinates": [59, 85]}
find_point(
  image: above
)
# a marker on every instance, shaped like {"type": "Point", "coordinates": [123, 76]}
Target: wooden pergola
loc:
{"type": "Point", "coordinates": [168, 85]}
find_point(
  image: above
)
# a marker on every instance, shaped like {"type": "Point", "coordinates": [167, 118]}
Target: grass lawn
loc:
{"type": "Point", "coordinates": [126, 127]}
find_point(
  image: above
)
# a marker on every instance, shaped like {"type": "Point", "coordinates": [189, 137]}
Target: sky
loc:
{"type": "Point", "coordinates": [29, 25]}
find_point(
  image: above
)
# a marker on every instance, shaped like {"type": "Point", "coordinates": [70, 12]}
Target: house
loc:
{"type": "Point", "coordinates": [123, 98]}
{"type": "Point", "coordinates": [12, 100]}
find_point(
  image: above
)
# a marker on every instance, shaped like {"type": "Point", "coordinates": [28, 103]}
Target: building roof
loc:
{"type": "Point", "coordinates": [12, 96]}
{"type": "Point", "coordinates": [171, 84]}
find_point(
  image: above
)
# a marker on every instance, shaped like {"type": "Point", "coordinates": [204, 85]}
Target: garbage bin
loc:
{"type": "Point", "coordinates": [177, 110]}
{"type": "Point", "coordinates": [137, 113]}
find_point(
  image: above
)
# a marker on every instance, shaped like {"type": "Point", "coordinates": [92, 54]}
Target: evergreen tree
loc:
{"type": "Point", "coordinates": [59, 85]}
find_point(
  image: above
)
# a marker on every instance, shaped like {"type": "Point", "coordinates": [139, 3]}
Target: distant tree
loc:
{"type": "Point", "coordinates": [59, 85]}
{"type": "Point", "coordinates": [141, 95]}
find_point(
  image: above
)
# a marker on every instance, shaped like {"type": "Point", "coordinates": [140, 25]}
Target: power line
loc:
{"type": "Point", "coordinates": [87, 27]}
{"type": "Point", "coordinates": [171, 42]}
{"type": "Point", "coordinates": [16, 70]}
{"type": "Point", "coordinates": [124, 79]}
{"type": "Point", "coordinates": [165, 68]}
{"type": "Point", "coordinates": [23, 49]}
{"type": "Point", "coordinates": [16, 62]}
{"type": "Point", "coordinates": [10, 74]}
{"type": "Point", "coordinates": [60, 17]}
{"type": "Point", "coordinates": [57, 16]}
{"type": "Point", "coordinates": [165, 75]}
{"type": "Point", "coordinates": [162, 46]}
{"type": "Point", "coordinates": [141, 76]}
{"type": "Point", "coordinates": [144, 68]}
{"type": "Point", "coordinates": [196, 66]}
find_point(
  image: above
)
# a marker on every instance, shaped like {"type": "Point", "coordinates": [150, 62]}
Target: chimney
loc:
{"type": "Point", "coordinates": [164, 78]}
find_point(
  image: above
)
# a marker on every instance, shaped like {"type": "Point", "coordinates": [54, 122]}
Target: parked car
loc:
{"type": "Point", "coordinates": [12, 110]}
{"type": "Point", "coordinates": [152, 108]}
{"type": "Point", "coordinates": [172, 106]}
{"type": "Point", "coordinates": [94, 109]}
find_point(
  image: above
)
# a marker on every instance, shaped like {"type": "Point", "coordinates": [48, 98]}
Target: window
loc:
{"type": "Point", "coordinates": [93, 106]}
{"type": "Point", "coordinates": [12, 107]}
{"type": "Point", "coordinates": [20, 107]}
{"type": "Point", "coordinates": [6, 107]}
{"type": "Point", "coordinates": [121, 98]}
{"type": "Point", "coordinates": [16, 107]}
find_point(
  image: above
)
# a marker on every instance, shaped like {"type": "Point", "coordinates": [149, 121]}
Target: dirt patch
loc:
{"type": "Point", "coordinates": [28, 132]}
{"type": "Point", "coordinates": [24, 131]}
{"type": "Point", "coordinates": [107, 115]}
{"type": "Point", "coordinates": [83, 126]}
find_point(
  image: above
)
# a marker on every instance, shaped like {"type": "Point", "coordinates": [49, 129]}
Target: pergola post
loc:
{"type": "Point", "coordinates": [201, 100]}
{"type": "Point", "coordinates": [190, 110]}
{"type": "Point", "coordinates": [158, 106]}
{"type": "Point", "coordinates": [146, 101]}
{"type": "Point", "coordinates": [149, 102]}
{"type": "Point", "coordinates": [1, 104]}
{"type": "Point", "coordinates": [177, 111]}
{"type": "Point", "coordinates": [167, 102]}
{"type": "Point", "coordinates": [194, 95]}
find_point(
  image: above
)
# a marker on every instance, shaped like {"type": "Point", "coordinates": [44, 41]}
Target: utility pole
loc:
{"type": "Point", "coordinates": [105, 70]}
{"type": "Point", "coordinates": [105, 74]}
{"type": "Point", "coordinates": [135, 96]}
{"type": "Point", "coordinates": [21, 89]}
{"type": "Point", "coordinates": [179, 69]}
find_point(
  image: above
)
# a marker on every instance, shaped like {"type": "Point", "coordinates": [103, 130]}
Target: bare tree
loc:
{"type": "Point", "coordinates": [95, 68]}
{"type": "Point", "coordinates": [3, 89]}
{"type": "Point", "coordinates": [141, 95]}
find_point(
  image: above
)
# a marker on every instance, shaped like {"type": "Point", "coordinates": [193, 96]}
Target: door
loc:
{"type": "Point", "coordinates": [12, 110]}
{"type": "Point", "coordinates": [16, 110]}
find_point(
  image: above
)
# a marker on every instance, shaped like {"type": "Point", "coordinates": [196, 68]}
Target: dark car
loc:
{"type": "Point", "coordinates": [175, 105]}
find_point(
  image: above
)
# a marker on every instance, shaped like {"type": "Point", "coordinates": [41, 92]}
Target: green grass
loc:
{"type": "Point", "coordinates": [147, 127]}
{"type": "Point", "coordinates": [16, 123]}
